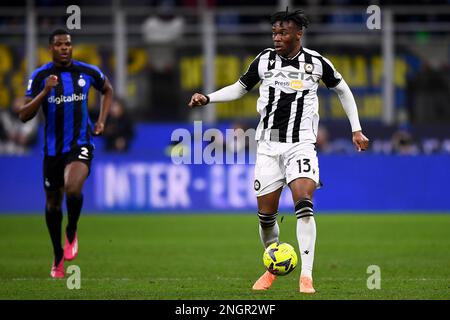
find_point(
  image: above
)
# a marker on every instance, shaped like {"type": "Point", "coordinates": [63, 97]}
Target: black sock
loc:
{"type": "Point", "coordinates": [74, 204]}
{"type": "Point", "coordinates": [53, 218]}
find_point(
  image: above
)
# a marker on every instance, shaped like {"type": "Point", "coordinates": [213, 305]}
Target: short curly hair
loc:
{"type": "Point", "coordinates": [297, 16]}
{"type": "Point", "coordinates": [57, 32]}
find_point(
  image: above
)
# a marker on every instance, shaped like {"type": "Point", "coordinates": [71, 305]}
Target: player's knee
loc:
{"type": "Point", "coordinates": [52, 206]}
{"type": "Point", "coordinates": [267, 205]}
{"type": "Point", "coordinates": [304, 208]}
{"type": "Point", "coordinates": [53, 201]}
{"type": "Point", "coordinates": [72, 190]}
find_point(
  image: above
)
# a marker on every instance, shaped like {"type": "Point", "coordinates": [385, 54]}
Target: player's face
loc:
{"type": "Point", "coordinates": [61, 49]}
{"type": "Point", "coordinates": [286, 38]}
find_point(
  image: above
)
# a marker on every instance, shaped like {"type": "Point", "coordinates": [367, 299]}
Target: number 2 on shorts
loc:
{"type": "Point", "coordinates": [84, 153]}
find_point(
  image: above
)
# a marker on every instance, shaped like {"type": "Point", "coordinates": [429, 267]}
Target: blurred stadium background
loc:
{"type": "Point", "coordinates": [157, 53]}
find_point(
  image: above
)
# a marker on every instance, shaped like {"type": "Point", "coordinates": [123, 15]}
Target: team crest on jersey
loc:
{"type": "Point", "coordinates": [296, 84]}
{"type": "Point", "coordinates": [309, 67]}
{"type": "Point", "coordinates": [81, 82]}
{"type": "Point", "coordinates": [257, 185]}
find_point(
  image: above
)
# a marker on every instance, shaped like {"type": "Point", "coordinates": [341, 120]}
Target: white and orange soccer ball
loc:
{"type": "Point", "coordinates": [280, 258]}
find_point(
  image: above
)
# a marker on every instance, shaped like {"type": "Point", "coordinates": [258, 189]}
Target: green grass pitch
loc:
{"type": "Point", "coordinates": [168, 256]}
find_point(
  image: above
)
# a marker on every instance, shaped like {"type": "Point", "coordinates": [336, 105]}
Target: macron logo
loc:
{"type": "Point", "coordinates": [63, 99]}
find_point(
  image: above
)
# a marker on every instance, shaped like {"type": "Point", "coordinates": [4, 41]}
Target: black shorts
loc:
{"type": "Point", "coordinates": [54, 165]}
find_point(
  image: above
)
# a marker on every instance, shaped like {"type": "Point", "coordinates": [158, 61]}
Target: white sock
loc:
{"type": "Point", "coordinates": [306, 234]}
{"type": "Point", "coordinates": [268, 229]}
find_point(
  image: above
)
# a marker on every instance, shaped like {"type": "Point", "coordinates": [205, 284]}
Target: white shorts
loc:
{"type": "Point", "coordinates": [278, 163]}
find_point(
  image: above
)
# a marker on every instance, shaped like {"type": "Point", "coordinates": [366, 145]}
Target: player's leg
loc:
{"type": "Point", "coordinates": [269, 182]}
{"type": "Point", "coordinates": [53, 219]}
{"type": "Point", "coordinates": [267, 214]}
{"type": "Point", "coordinates": [268, 231]}
{"type": "Point", "coordinates": [53, 172]}
{"type": "Point", "coordinates": [302, 193]}
{"type": "Point", "coordinates": [75, 175]}
{"type": "Point", "coordinates": [302, 175]}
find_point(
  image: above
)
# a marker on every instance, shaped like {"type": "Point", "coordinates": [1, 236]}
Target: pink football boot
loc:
{"type": "Point", "coordinates": [71, 249]}
{"type": "Point", "coordinates": [58, 270]}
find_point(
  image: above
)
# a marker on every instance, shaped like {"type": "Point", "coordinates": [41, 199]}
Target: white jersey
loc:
{"type": "Point", "coordinates": [288, 102]}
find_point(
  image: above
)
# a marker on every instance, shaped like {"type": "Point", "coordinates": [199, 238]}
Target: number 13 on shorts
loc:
{"type": "Point", "coordinates": [303, 168]}
{"type": "Point", "coordinates": [306, 165]}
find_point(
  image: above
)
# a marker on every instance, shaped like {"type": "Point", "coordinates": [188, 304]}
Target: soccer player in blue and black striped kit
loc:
{"type": "Point", "coordinates": [61, 87]}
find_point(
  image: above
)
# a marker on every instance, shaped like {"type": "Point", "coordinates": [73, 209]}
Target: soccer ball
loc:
{"type": "Point", "coordinates": [280, 258]}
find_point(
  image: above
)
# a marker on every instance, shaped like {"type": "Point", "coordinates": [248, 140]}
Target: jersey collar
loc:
{"type": "Point", "coordinates": [294, 57]}
{"type": "Point", "coordinates": [69, 67]}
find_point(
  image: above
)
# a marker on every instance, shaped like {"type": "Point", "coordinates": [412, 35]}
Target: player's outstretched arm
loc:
{"type": "Point", "coordinates": [106, 101]}
{"type": "Point", "coordinates": [228, 93]}
{"type": "Point", "coordinates": [31, 107]}
{"type": "Point", "coordinates": [345, 95]}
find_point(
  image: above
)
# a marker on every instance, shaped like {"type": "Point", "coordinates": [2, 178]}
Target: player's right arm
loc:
{"type": "Point", "coordinates": [232, 92]}
{"type": "Point", "coordinates": [229, 93]}
{"type": "Point", "coordinates": [31, 107]}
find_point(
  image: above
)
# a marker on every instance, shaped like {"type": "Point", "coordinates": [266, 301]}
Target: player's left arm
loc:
{"type": "Point", "coordinates": [106, 101]}
{"type": "Point", "coordinates": [345, 95]}
{"type": "Point", "coordinates": [334, 81]}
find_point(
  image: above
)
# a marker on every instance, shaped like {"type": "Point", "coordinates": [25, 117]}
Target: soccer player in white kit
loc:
{"type": "Point", "coordinates": [287, 132]}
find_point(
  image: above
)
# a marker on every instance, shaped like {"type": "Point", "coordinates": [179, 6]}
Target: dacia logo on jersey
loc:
{"type": "Point", "coordinates": [290, 75]}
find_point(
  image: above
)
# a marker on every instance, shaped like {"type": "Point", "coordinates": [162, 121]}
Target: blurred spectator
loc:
{"type": "Point", "coordinates": [429, 96]}
{"type": "Point", "coordinates": [323, 142]}
{"type": "Point", "coordinates": [403, 143]}
{"type": "Point", "coordinates": [445, 146]}
{"type": "Point", "coordinates": [19, 136]}
{"type": "Point", "coordinates": [3, 135]}
{"type": "Point", "coordinates": [161, 33]}
{"type": "Point", "coordinates": [340, 145]}
{"type": "Point", "coordinates": [119, 129]}
{"type": "Point", "coordinates": [343, 146]}
{"type": "Point", "coordinates": [431, 146]}
{"type": "Point", "coordinates": [240, 143]}
{"type": "Point", "coordinates": [241, 140]}
{"type": "Point", "coordinates": [381, 146]}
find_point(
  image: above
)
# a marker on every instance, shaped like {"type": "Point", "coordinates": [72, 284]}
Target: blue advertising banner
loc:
{"type": "Point", "coordinates": [139, 183]}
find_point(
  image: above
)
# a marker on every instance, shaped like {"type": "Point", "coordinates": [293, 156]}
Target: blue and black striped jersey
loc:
{"type": "Point", "coordinates": [67, 122]}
